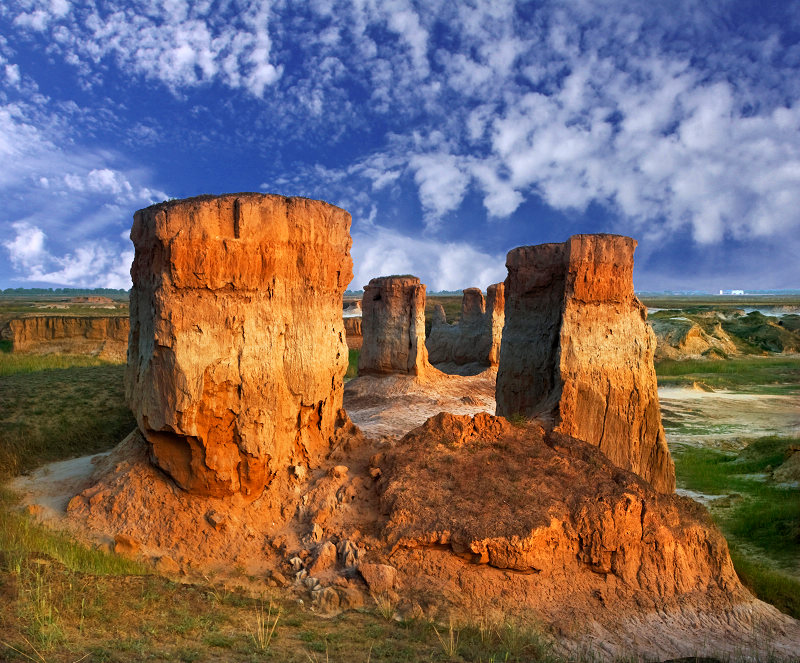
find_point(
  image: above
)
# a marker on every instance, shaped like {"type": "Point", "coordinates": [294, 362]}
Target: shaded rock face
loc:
{"type": "Point", "coordinates": [393, 327]}
{"type": "Point", "coordinates": [105, 336]}
{"type": "Point", "coordinates": [475, 339]}
{"type": "Point", "coordinates": [237, 348]}
{"type": "Point", "coordinates": [577, 351]}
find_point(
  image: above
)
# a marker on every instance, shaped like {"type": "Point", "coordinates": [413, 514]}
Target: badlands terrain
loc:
{"type": "Point", "coordinates": [369, 505]}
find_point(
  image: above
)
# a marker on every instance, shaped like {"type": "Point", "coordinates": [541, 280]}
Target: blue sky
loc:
{"type": "Point", "coordinates": [451, 131]}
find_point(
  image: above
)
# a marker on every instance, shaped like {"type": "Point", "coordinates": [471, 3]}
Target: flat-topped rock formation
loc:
{"type": "Point", "coordinates": [393, 327]}
{"type": "Point", "coordinates": [103, 336]}
{"type": "Point", "coordinates": [237, 347]}
{"type": "Point", "coordinates": [577, 351]}
{"type": "Point", "coordinates": [475, 339]}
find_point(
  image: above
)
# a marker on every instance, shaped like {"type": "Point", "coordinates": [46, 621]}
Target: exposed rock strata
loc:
{"type": "Point", "coordinates": [578, 352]}
{"type": "Point", "coordinates": [393, 327]}
{"type": "Point", "coordinates": [237, 347]}
{"type": "Point", "coordinates": [475, 339]}
{"type": "Point", "coordinates": [105, 336]}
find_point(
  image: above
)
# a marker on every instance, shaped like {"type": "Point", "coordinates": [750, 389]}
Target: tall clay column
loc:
{"type": "Point", "coordinates": [496, 314]}
{"type": "Point", "coordinates": [577, 351]}
{"type": "Point", "coordinates": [393, 327]}
{"type": "Point", "coordinates": [237, 348]}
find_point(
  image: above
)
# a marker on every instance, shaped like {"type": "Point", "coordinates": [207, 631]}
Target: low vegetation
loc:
{"type": "Point", "coordinates": [56, 406]}
{"type": "Point", "coordinates": [759, 516]}
{"type": "Point", "coordinates": [63, 601]}
{"type": "Point", "coordinates": [352, 365]}
{"type": "Point", "coordinates": [756, 374]}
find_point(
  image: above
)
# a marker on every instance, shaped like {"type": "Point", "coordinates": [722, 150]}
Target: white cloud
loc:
{"type": "Point", "coordinates": [177, 43]}
{"type": "Point", "coordinates": [442, 184]}
{"type": "Point", "coordinates": [673, 122]}
{"type": "Point", "coordinates": [440, 265]}
{"type": "Point", "coordinates": [61, 201]}
{"type": "Point", "coordinates": [97, 264]}
{"type": "Point", "coordinates": [26, 250]}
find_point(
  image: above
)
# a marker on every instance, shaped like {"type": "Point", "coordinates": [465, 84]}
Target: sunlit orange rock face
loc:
{"type": "Point", "coordinates": [393, 327]}
{"type": "Point", "coordinates": [578, 352]}
{"type": "Point", "coordinates": [237, 350]}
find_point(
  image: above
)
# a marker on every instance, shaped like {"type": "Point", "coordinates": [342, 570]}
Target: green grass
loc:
{"type": "Point", "coordinates": [13, 364]}
{"type": "Point", "coordinates": [21, 537]}
{"type": "Point", "coordinates": [56, 413]}
{"type": "Point", "coordinates": [766, 583]}
{"type": "Point", "coordinates": [66, 600]}
{"type": "Point", "coordinates": [352, 365]}
{"type": "Point", "coordinates": [760, 519]}
{"type": "Point", "coordinates": [757, 374]}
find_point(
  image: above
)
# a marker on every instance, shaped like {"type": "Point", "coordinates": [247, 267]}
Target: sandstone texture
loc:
{"type": "Point", "coordinates": [475, 339]}
{"type": "Point", "coordinates": [237, 347]}
{"type": "Point", "coordinates": [352, 329]}
{"type": "Point", "coordinates": [104, 336]}
{"type": "Point", "coordinates": [393, 327]}
{"type": "Point", "coordinates": [577, 351]}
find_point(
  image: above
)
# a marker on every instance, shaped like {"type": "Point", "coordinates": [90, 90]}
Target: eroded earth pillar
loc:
{"type": "Point", "coordinates": [393, 327]}
{"type": "Point", "coordinates": [577, 351]}
{"type": "Point", "coordinates": [237, 349]}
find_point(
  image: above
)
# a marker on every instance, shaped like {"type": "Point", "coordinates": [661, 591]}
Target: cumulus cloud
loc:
{"type": "Point", "coordinates": [677, 124]}
{"type": "Point", "coordinates": [98, 264]}
{"type": "Point", "coordinates": [76, 201]}
{"type": "Point", "coordinates": [440, 265]}
{"type": "Point", "coordinates": [26, 250]}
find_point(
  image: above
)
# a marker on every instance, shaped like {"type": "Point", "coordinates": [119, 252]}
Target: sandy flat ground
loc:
{"type": "Point", "coordinates": [725, 419]}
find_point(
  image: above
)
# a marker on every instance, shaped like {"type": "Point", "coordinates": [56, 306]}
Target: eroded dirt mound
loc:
{"type": "Point", "coordinates": [488, 515]}
{"type": "Point", "coordinates": [394, 404]}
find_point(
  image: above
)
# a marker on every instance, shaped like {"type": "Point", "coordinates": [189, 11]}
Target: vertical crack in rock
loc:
{"type": "Point", "coordinates": [222, 408]}
{"type": "Point", "coordinates": [576, 347]}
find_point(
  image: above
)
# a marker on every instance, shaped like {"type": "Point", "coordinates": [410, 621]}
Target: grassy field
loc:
{"type": "Point", "coordinates": [760, 518]}
{"type": "Point", "coordinates": [61, 601]}
{"type": "Point", "coordinates": [717, 301]}
{"type": "Point", "coordinates": [57, 406]}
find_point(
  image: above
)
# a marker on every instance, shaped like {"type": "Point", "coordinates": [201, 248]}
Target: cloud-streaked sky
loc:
{"type": "Point", "coordinates": [451, 131]}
